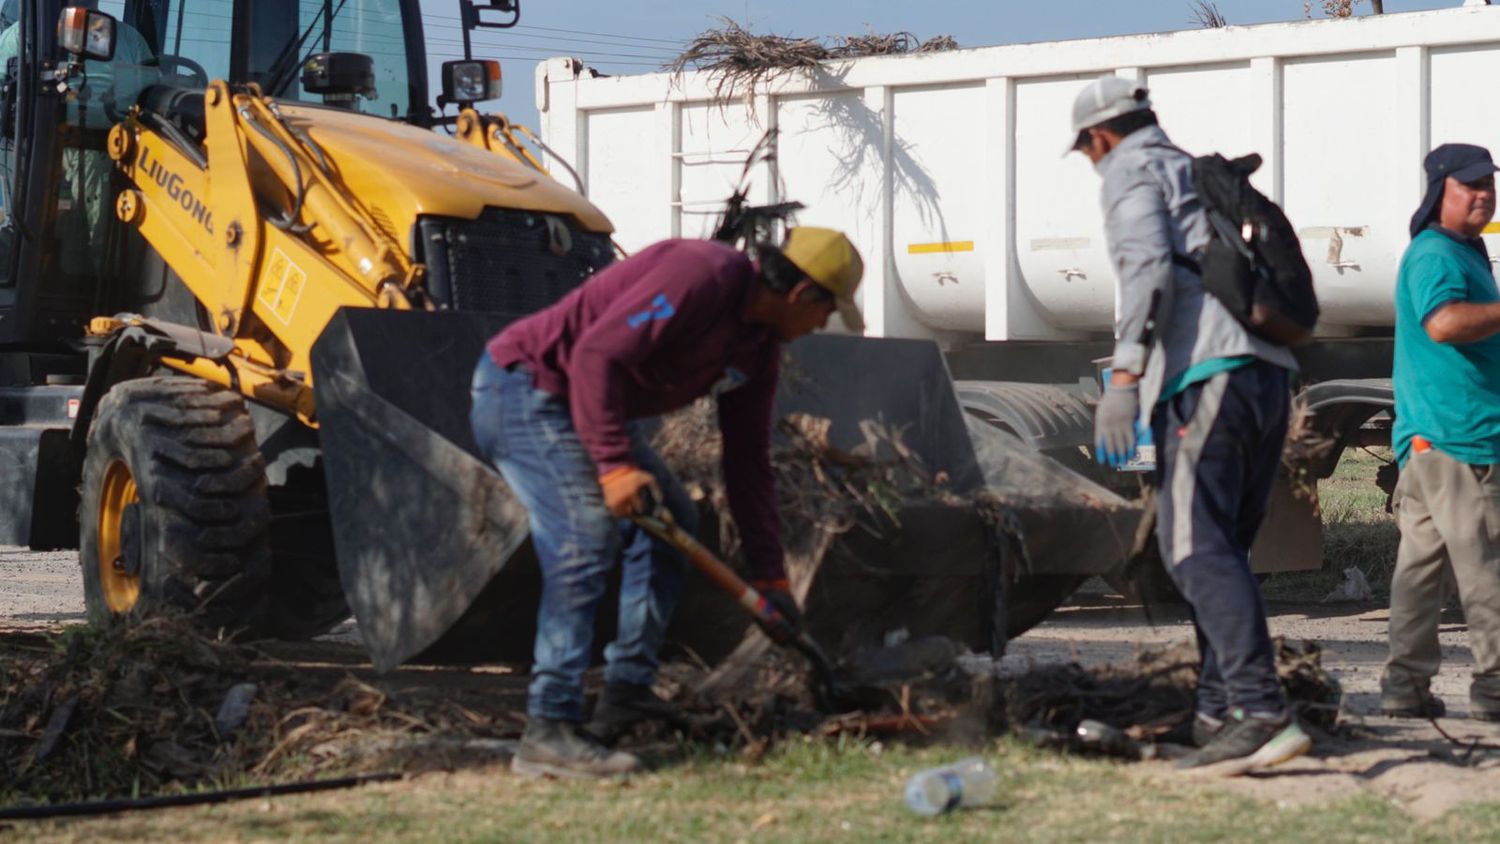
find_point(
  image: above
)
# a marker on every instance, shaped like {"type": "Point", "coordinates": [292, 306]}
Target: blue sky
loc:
{"type": "Point", "coordinates": [638, 36]}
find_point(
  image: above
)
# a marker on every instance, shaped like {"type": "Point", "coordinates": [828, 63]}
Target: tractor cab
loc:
{"type": "Point", "coordinates": [63, 257]}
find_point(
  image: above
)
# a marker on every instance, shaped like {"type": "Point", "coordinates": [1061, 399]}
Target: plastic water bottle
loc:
{"type": "Point", "coordinates": [962, 785]}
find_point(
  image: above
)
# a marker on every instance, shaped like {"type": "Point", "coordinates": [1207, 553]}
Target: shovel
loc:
{"type": "Point", "coordinates": [827, 692]}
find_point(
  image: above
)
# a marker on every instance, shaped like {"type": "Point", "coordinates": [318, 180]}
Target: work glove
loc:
{"type": "Point", "coordinates": [623, 487]}
{"type": "Point", "coordinates": [1115, 423]}
{"type": "Point", "coordinates": [778, 594]}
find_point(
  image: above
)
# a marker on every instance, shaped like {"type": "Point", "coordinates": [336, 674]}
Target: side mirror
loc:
{"type": "Point", "coordinates": [471, 17]}
{"type": "Point", "coordinates": [86, 33]}
{"type": "Point", "coordinates": [471, 81]}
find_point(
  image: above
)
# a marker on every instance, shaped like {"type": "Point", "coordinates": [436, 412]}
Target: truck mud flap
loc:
{"type": "Point", "coordinates": [422, 524]}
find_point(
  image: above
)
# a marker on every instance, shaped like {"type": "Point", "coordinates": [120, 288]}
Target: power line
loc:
{"type": "Point", "coordinates": [545, 51]}
{"type": "Point", "coordinates": [602, 35]}
{"type": "Point", "coordinates": [637, 40]}
{"type": "Point", "coordinates": [554, 46]}
{"type": "Point", "coordinates": [569, 42]}
{"type": "Point", "coordinates": [549, 51]}
{"type": "Point", "coordinates": [606, 63]}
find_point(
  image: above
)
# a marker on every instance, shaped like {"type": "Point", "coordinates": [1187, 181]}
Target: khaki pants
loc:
{"type": "Point", "coordinates": [1449, 516]}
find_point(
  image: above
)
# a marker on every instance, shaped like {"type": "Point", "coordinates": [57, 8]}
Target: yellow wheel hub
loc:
{"type": "Point", "coordinates": [121, 588]}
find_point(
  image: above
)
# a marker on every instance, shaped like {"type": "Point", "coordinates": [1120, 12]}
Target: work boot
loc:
{"type": "Point", "coordinates": [562, 749]}
{"type": "Point", "coordinates": [1409, 699]}
{"type": "Point", "coordinates": [1249, 742]}
{"type": "Point", "coordinates": [623, 705]}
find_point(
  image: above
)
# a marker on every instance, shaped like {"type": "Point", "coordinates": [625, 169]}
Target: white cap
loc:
{"type": "Point", "coordinates": [1105, 98]}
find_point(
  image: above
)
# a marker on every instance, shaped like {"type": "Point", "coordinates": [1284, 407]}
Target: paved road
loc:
{"type": "Point", "coordinates": [40, 587]}
{"type": "Point", "coordinates": [44, 588]}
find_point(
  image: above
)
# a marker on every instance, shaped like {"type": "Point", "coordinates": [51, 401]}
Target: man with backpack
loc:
{"type": "Point", "coordinates": [1216, 397]}
{"type": "Point", "coordinates": [1447, 437]}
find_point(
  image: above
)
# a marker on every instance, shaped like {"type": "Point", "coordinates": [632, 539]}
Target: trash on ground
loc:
{"type": "Point", "coordinates": [1354, 588]}
{"type": "Point", "coordinates": [965, 784]}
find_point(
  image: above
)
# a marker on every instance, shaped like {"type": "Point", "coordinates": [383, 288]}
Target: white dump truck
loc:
{"type": "Point", "coordinates": [947, 170]}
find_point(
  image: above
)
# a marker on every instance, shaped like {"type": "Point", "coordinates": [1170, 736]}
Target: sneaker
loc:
{"type": "Point", "coordinates": [1192, 732]}
{"type": "Point", "coordinates": [1484, 699]}
{"type": "Point", "coordinates": [1490, 716]}
{"type": "Point", "coordinates": [1407, 696]}
{"type": "Point", "coordinates": [1249, 743]}
{"type": "Point", "coordinates": [562, 749]}
{"type": "Point", "coordinates": [1205, 727]}
{"type": "Point", "coordinates": [623, 705]}
{"type": "Point", "coordinates": [1426, 706]}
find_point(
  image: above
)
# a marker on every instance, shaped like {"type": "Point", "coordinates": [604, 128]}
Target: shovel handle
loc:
{"type": "Point", "coordinates": [661, 525]}
{"type": "Point", "coordinates": [781, 631]}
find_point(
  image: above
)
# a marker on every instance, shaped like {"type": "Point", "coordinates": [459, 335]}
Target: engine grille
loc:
{"type": "Point", "coordinates": [506, 261]}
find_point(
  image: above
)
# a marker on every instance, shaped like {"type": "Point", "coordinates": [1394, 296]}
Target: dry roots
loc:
{"type": "Point", "coordinates": [739, 61]}
{"type": "Point", "coordinates": [130, 708]}
{"type": "Point", "coordinates": [823, 491]}
{"type": "Point", "coordinates": [1149, 695]}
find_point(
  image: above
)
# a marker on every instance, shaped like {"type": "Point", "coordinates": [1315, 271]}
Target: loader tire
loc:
{"type": "Point", "coordinates": [173, 515]}
{"type": "Point", "coordinates": [306, 598]}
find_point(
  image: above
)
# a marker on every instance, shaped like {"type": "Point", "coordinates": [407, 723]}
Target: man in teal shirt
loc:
{"type": "Point", "coordinates": [1447, 436]}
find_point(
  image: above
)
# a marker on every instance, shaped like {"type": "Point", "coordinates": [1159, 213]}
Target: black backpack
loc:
{"type": "Point", "coordinates": [1253, 264]}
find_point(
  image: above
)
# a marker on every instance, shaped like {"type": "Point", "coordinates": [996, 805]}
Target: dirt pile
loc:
{"type": "Point", "coordinates": [156, 706]}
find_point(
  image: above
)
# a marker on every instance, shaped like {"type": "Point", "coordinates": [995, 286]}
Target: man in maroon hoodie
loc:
{"type": "Point", "coordinates": [555, 399]}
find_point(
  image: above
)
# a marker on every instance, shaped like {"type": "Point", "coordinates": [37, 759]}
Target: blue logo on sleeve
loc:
{"type": "Point", "coordinates": [660, 309]}
{"type": "Point", "coordinates": [733, 379]}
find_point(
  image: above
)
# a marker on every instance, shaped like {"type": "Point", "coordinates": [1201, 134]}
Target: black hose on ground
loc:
{"type": "Point", "coordinates": [109, 807]}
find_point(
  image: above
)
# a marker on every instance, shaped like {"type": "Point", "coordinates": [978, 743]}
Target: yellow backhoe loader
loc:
{"type": "Point", "coordinates": [245, 272]}
{"type": "Point", "coordinates": [192, 190]}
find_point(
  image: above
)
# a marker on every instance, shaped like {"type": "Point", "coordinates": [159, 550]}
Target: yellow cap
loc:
{"type": "Point", "coordinates": [831, 262]}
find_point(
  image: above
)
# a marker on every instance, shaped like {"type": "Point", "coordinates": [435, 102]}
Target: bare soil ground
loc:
{"type": "Point", "coordinates": [1408, 763]}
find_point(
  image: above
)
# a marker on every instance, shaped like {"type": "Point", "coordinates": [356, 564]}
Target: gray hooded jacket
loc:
{"type": "Point", "coordinates": [1150, 212]}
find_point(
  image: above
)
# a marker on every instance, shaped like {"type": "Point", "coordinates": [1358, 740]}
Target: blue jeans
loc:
{"type": "Point", "coordinates": [1218, 447]}
{"type": "Point", "coordinates": [528, 435]}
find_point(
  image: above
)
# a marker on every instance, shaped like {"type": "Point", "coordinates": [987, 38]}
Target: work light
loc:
{"type": "Point", "coordinates": [87, 33]}
{"type": "Point", "coordinates": [470, 81]}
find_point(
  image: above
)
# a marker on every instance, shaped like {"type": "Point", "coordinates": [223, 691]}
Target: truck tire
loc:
{"type": "Point", "coordinates": [173, 512]}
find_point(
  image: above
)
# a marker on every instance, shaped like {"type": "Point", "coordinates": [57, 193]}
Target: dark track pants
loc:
{"type": "Point", "coordinates": [1219, 444]}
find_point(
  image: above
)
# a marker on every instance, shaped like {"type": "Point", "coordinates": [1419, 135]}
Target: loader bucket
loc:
{"type": "Point", "coordinates": [934, 568]}
{"type": "Point", "coordinates": [432, 544]}
{"type": "Point", "coordinates": [422, 524]}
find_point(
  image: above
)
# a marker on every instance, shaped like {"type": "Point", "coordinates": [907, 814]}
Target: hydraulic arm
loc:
{"type": "Point", "coordinates": [261, 229]}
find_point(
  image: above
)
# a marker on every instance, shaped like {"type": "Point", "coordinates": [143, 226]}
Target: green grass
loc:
{"type": "Point", "coordinates": [1357, 531]}
{"type": "Point", "coordinates": [812, 791]}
